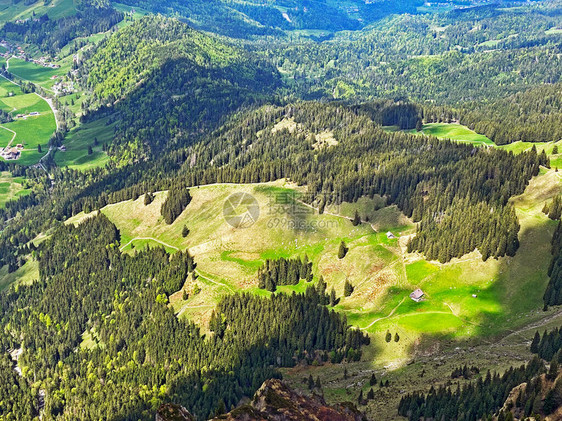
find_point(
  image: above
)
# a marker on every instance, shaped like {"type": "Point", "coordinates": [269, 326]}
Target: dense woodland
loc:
{"type": "Point", "coordinates": [140, 354]}
{"type": "Point", "coordinates": [531, 116]}
{"type": "Point", "coordinates": [53, 34]}
{"type": "Point", "coordinates": [477, 400]}
{"type": "Point", "coordinates": [553, 293]}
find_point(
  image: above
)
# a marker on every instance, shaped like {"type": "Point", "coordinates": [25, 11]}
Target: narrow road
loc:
{"type": "Point", "coordinates": [53, 109]}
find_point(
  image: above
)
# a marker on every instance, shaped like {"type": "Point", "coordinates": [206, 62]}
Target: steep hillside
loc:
{"type": "Point", "coordinates": [178, 79]}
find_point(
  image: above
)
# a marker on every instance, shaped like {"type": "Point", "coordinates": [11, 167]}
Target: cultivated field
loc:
{"type": "Point", "coordinates": [29, 131]}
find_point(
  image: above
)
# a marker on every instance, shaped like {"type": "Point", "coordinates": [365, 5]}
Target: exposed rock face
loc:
{"type": "Point", "coordinates": [275, 401]}
{"type": "Point", "coordinates": [172, 412]}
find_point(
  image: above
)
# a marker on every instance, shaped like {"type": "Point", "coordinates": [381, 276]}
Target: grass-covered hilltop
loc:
{"type": "Point", "coordinates": [280, 210]}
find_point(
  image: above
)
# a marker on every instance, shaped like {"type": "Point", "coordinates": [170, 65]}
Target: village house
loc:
{"type": "Point", "coordinates": [417, 295]}
{"type": "Point", "coordinates": [390, 235]}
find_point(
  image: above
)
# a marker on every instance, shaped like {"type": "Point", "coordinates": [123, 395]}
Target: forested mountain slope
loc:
{"type": "Point", "coordinates": [178, 79]}
{"type": "Point", "coordinates": [473, 54]}
{"type": "Point", "coordinates": [534, 115]}
{"type": "Point", "coordinates": [271, 17]}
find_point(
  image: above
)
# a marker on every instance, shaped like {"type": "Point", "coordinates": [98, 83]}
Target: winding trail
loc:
{"type": "Point", "coordinates": [151, 239]}
{"type": "Point", "coordinates": [11, 140]}
{"type": "Point", "coordinates": [385, 317]}
{"type": "Point", "coordinates": [199, 275]}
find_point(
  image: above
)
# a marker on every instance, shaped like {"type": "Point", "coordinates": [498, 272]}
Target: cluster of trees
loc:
{"type": "Point", "coordinates": [553, 293]}
{"type": "Point", "coordinates": [548, 345]}
{"type": "Point", "coordinates": [50, 35]}
{"type": "Point", "coordinates": [465, 372]}
{"type": "Point", "coordinates": [5, 117]}
{"type": "Point", "coordinates": [476, 400]}
{"type": "Point", "coordinates": [139, 354]}
{"type": "Point", "coordinates": [275, 272]}
{"type": "Point", "coordinates": [176, 201]}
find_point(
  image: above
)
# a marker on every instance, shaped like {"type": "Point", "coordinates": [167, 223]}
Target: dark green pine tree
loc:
{"type": "Point", "coordinates": [310, 382]}
{"type": "Point", "coordinates": [388, 336]}
{"type": "Point", "coordinates": [347, 289]}
{"type": "Point", "coordinates": [333, 299]}
{"type": "Point", "coordinates": [185, 231]}
{"type": "Point", "coordinates": [535, 343]}
{"type": "Point", "coordinates": [356, 219]}
{"type": "Point", "coordinates": [342, 250]}
{"type": "Point", "coordinates": [373, 380]}
{"type": "Point", "coordinates": [370, 394]}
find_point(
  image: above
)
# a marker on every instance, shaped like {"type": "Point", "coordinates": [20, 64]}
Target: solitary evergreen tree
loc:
{"type": "Point", "coordinates": [370, 394]}
{"type": "Point", "coordinates": [373, 380]}
{"type": "Point", "coordinates": [356, 219]}
{"type": "Point", "coordinates": [39, 148]}
{"type": "Point", "coordinates": [90, 150]}
{"type": "Point", "coordinates": [347, 289]}
{"type": "Point", "coordinates": [185, 296]}
{"type": "Point", "coordinates": [310, 382]}
{"type": "Point", "coordinates": [148, 198]}
{"type": "Point", "coordinates": [388, 337]}
{"type": "Point", "coordinates": [318, 385]}
{"type": "Point", "coordinates": [185, 231]}
{"type": "Point", "coordinates": [396, 337]}
{"type": "Point", "coordinates": [342, 250]}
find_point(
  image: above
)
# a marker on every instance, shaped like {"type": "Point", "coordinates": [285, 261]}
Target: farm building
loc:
{"type": "Point", "coordinates": [417, 295]}
{"type": "Point", "coordinates": [390, 235]}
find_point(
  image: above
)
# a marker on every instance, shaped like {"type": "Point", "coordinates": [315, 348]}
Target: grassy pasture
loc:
{"type": "Point", "coordinates": [39, 75]}
{"type": "Point", "coordinates": [454, 131]}
{"type": "Point", "coordinates": [31, 131]}
{"type": "Point", "coordinates": [77, 142]}
{"type": "Point", "coordinates": [508, 290]}
{"type": "Point", "coordinates": [11, 188]}
{"type": "Point", "coordinates": [10, 10]}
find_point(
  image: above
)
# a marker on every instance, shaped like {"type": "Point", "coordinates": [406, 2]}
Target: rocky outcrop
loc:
{"type": "Point", "coordinates": [172, 412]}
{"type": "Point", "coordinates": [274, 401]}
